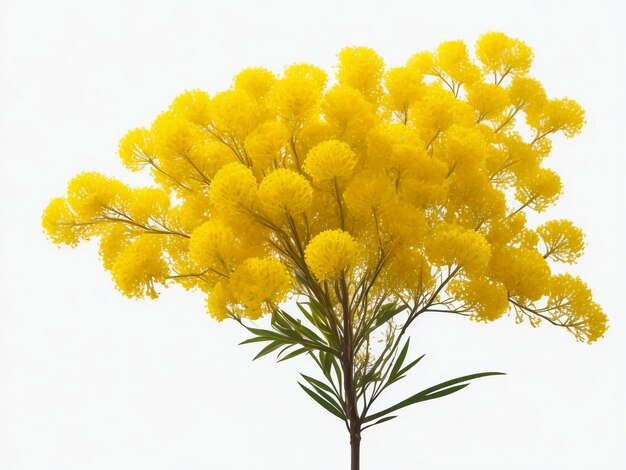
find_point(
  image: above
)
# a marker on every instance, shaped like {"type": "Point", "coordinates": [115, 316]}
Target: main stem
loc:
{"type": "Point", "coordinates": [355, 450]}
{"type": "Point", "coordinates": [351, 410]}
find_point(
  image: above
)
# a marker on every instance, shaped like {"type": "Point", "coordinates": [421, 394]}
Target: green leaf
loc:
{"type": "Point", "coordinates": [328, 406]}
{"type": "Point", "coordinates": [326, 360]}
{"type": "Point", "coordinates": [266, 333]}
{"type": "Point", "coordinates": [337, 369]}
{"type": "Point", "coordinates": [387, 312]}
{"type": "Point", "coordinates": [410, 366]}
{"type": "Point", "coordinates": [293, 354]}
{"type": "Point", "coordinates": [400, 360]}
{"type": "Point", "coordinates": [317, 383]}
{"type": "Point", "coordinates": [400, 374]}
{"type": "Point", "coordinates": [284, 350]}
{"type": "Point", "coordinates": [273, 346]}
{"type": "Point", "coordinates": [303, 330]}
{"type": "Point", "coordinates": [437, 391]}
{"type": "Point", "coordinates": [382, 420]}
{"type": "Point", "coordinates": [465, 378]}
{"type": "Point", "coordinates": [443, 393]}
{"type": "Point", "coordinates": [256, 339]}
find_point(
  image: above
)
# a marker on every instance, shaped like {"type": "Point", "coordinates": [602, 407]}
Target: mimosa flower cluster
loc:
{"type": "Point", "coordinates": [405, 184]}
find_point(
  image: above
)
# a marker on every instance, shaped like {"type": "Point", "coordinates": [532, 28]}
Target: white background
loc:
{"type": "Point", "coordinates": [91, 380]}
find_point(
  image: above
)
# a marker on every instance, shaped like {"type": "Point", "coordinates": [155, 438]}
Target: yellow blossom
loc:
{"type": "Point", "coordinates": [570, 303]}
{"type": "Point", "coordinates": [284, 193]}
{"type": "Point", "coordinates": [234, 113]}
{"type": "Point", "coordinates": [487, 300]}
{"type": "Point", "coordinates": [361, 68]}
{"type": "Point", "coordinates": [329, 161]}
{"type": "Point", "coordinates": [218, 301]}
{"type": "Point", "coordinates": [93, 194]}
{"type": "Point", "coordinates": [554, 115]}
{"type": "Point", "coordinates": [451, 244]}
{"type": "Point", "coordinates": [407, 271]}
{"type": "Point", "coordinates": [233, 188]}
{"type": "Point", "coordinates": [115, 239]}
{"type": "Point", "coordinates": [525, 91]}
{"type": "Point", "coordinates": [404, 87]}
{"type": "Point", "coordinates": [259, 284]}
{"type": "Point", "coordinates": [256, 81]}
{"type": "Point", "coordinates": [63, 225]}
{"type": "Point", "coordinates": [538, 189]}
{"type": "Point", "coordinates": [264, 144]}
{"type": "Point", "coordinates": [523, 271]}
{"type": "Point", "coordinates": [331, 253]}
{"type": "Point", "coordinates": [369, 194]}
{"type": "Point", "coordinates": [503, 55]}
{"type": "Point", "coordinates": [295, 97]}
{"type": "Point", "coordinates": [136, 149]}
{"type": "Point", "coordinates": [453, 58]}
{"type": "Point", "coordinates": [193, 106]}
{"type": "Point", "coordinates": [487, 99]}
{"type": "Point", "coordinates": [438, 111]}
{"type": "Point", "coordinates": [148, 203]}
{"type": "Point", "coordinates": [139, 267]}
{"type": "Point", "coordinates": [211, 246]}
{"type": "Point", "coordinates": [563, 241]}
{"type": "Point", "coordinates": [349, 114]}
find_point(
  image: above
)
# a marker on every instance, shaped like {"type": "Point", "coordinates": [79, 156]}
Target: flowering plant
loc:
{"type": "Point", "coordinates": [368, 202]}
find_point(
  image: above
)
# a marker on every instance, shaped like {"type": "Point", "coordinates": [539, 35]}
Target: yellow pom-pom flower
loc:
{"type": "Point", "coordinates": [369, 194]}
{"type": "Point", "coordinates": [349, 114]}
{"type": "Point", "coordinates": [330, 253]}
{"type": "Point", "coordinates": [259, 285]}
{"type": "Point", "coordinates": [404, 87]}
{"type": "Point", "coordinates": [219, 302]}
{"type": "Point", "coordinates": [487, 300]}
{"type": "Point", "coordinates": [570, 303]}
{"type": "Point", "coordinates": [329, 161]}
{"type": "Point", "coordinates": [488, 100]}
{"type": "Point", "coordinates": [296, 96]}
{"type": "Point", "coordinates": [361, 68]}
{"type": "Point", "coordinates": [91, 194]}
{"type": "Point", "coordinates": [136, 149]}
{"type": "Point", "coordinates": [193, 106]}
{"type": "Point", "coordinates": [450, 243]}
{"type": "Point", "coordinates": [235, 113]}
{"type": "Point", "coordinates": [233, 188]}
{"type": "Point", "coordinates": [63, 225]}
{"type": "Point", "coordinates": [139, 267]}
{"type": "Point", "coordinates": [264, 144]}
{"type": "Point", "coordinates": [524, 92]}
{"type": "Point", "coordinates": [503, 55]}
{"type": "Point", "coordinates": [453, 59]}
{"type": "Point", "coordinates": [256, 81]}
{"type": "Point", "coordinates": [563, 240]}
{"type": "Point", "coordinates": [538, 189]}
{"type": "Point", "coordinates": [523, 271]}
{"type": "Point", "coordinates": [211, 245]}
{"type": "Point", "coordinates": [284, 193]}
{"type": "Point", "coordinates": [563, 115]}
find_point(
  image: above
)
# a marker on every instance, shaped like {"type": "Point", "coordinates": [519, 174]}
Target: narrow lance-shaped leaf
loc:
{"type": "Point", "coordinates": [400, 360]}
{"type": "Point", "coordinates": [382, 420]}
{"type": "Point", "coordinates": [437, 391]}
{"type": "Point", "coordinates": [294, 353]}
{"type": "Point", "coordinates": [273, 346]}
{"type": "Point", "coordinates": [326, 404]}
{"type": "Point", "coordinates": [387, 312]}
